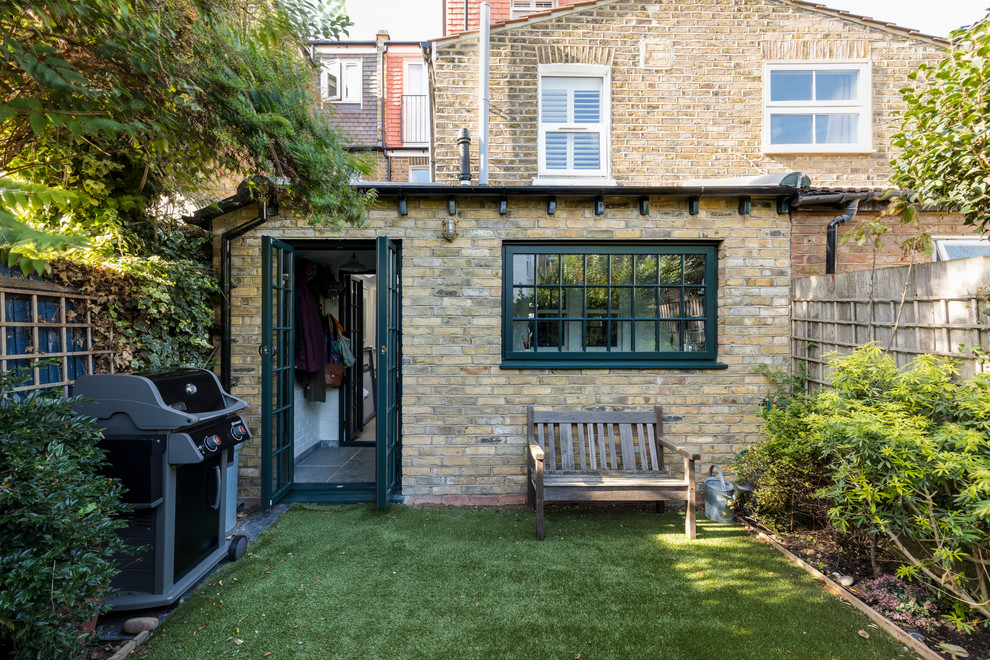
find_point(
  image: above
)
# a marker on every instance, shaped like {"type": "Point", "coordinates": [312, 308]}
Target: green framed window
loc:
{"type": "Point", "coordinates": [574, 305]}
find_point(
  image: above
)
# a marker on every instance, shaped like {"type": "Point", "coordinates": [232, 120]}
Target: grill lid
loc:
{"type": "Point", "coordinates": [162, 400]}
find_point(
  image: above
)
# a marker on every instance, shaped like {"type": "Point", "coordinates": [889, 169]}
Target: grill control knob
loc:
{"type": "Point", "coordinates": [211, 442]}
{"type": "Point", "coordinates": [237, 432]}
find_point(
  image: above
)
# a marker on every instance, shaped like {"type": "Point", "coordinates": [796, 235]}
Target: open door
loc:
{"type": "Point", "coordinates": [354, 382]}
{"type": "Point", "coordinates": [389, 364]}
{"type": "Point", "coordinates": [277, 367]}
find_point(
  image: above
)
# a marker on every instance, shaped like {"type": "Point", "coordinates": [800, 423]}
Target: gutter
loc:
{"type": "Point", "coordinates": [397, 189]}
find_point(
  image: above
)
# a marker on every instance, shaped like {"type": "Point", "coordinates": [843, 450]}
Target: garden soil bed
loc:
{"type": "Point", "coordinates": [826, 552]}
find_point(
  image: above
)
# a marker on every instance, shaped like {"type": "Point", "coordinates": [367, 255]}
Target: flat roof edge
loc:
{"type": "Point", "coordinates": [393, 189]}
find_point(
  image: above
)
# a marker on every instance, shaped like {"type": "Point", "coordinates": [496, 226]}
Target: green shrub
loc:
{"type": "Point", "coordinates": [788, 466]}
{"type": "Point", "coordinates": [57, 524]}
{"type": "Point", "coordinates": [911, 464]}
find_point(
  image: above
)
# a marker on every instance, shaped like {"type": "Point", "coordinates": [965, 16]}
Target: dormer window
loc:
{"type": "Point", "coordinates": [522, 8]}
{"type": "Point", "coordinates": [817, 108]}
{"type": "Point", "coordinates": [340, 81]}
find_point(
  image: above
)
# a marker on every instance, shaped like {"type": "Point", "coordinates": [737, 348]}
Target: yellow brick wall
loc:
{"type": "Point", "coordinates": [463, 417]}
{"type": "Point", "coordinates": [695, 110]}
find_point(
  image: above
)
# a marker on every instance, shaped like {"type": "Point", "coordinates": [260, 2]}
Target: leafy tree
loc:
{"type": "Point", "coordinates": [113, 113]}
{"type": "Point", "coordinates": [944, 140]}
{"type": "Point", "coordinates": [133, 101]}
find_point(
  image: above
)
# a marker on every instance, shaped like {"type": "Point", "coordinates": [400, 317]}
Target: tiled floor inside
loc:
{"type": "Point", "coordinates": [337, 465]}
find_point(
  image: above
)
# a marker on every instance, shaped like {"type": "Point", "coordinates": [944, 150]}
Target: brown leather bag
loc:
{"type": "Point", "coordinates": [333, 374]}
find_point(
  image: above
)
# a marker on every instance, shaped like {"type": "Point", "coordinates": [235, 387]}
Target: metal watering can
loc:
{"type": "Point", "coordinates": [718, 497]}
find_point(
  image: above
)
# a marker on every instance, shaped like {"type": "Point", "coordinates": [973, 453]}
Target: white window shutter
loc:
{"type": "Point", "coordinates": [572, 123]}
{"type": "Point", "coordinates": [330, 80]}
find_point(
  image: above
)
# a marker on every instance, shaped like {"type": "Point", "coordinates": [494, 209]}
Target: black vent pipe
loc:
{"type": "Point", "coordinates": [464, 147]}
{"type": "Point", "coordinates": [830, 244]}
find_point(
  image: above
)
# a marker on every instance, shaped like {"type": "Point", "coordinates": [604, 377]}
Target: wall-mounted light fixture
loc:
{"type": "Point", "coordinates": [449, 228]}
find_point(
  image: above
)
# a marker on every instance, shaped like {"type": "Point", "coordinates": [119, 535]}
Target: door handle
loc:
{"type": "Point", "coordinates": [384, 349]}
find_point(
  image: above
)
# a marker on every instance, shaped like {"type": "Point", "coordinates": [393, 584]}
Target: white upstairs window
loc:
{"type": "Point", "coordinates": [573, 121]}
{"type": "Point", "coordinates": [340, 80]}
{"type": "Point", "coordinates": [522, 8]}
{"type": "Point", "coordinates": [817, 108]}
{"type": "Point", "coordinates": [959, 247]}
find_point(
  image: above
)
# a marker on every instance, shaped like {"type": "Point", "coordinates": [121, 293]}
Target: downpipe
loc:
{"type": "Point", "coordinates": [830, 237]}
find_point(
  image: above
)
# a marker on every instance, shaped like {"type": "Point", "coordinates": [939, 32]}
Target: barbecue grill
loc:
{"type": "Point", "coordinates": [169, 437]}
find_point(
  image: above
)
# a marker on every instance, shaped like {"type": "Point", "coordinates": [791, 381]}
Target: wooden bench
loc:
{"type": "Point", "coordinates": [604, 456]}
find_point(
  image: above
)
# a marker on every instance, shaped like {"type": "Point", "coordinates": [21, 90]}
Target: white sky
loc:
{"type": "Point", "coordinates": [419, 20]}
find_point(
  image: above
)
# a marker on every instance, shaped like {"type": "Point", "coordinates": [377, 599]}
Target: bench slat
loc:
{"type": "Point", "coordinates": [657, 464]}
{"type": "Point", "coordinates": [633, 477]}
{"type": "Point", "coordinates": [602, 456]}
{"type": "Point", "coordinates": [566, 446]}
{"type": "Point", "coordinates": [611, 447]}
{"type": "Point", "coordinates": [592, 447]}
{"type": "Point", "coordinates": [627, 446]}
{"type": "Point", "coordinates": [644, 454]}
{"type": "Point", "coordinates": [581, 451]}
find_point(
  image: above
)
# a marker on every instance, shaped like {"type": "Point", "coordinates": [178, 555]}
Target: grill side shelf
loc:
{"type": "Point", "coordinates": [182, 450]}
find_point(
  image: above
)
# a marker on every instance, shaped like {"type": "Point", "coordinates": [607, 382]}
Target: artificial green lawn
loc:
{"type": "Point", "coordinates": [355, 582]}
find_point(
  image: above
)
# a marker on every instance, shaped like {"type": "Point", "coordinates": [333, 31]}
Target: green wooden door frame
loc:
{"type": "Point", "coordinates": [388, 332]}
{"type": "Point", "coordinates": [277, 366]}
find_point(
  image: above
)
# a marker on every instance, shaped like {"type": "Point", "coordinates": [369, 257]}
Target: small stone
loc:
{"type": "Point", "coordinates": [140, 624]}
{"type": "Point", "coordinates": [954, 651]}
{"type": "Point", "coordinates": [917, 636]}
{"type": "Point", "coordinates": [844, 580]}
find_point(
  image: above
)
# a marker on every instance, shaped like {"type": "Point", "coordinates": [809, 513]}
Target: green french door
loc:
{"type": "Point", "coordinates": [277, 366]}
{"type": "Point", "coordinates": [389, 373]}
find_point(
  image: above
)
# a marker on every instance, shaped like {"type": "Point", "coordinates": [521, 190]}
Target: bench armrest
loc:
{"type": "Point", "coordinates": [694, 456]}
{"type": "Point", "coordinates": [534, 453]}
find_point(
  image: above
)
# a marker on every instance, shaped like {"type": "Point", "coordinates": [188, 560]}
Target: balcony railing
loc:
{"type": "Point", "coordinates": [415, 119]}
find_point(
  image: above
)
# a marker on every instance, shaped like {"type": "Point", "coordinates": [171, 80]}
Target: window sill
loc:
{"type": "Point", "coordinates": [679, 365]}
{"type": "Point", "coordinates": [573, 181]}
{"type": "Point", "coordinates": [819, 150]}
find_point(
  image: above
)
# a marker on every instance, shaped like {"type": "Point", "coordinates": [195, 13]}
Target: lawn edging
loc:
{"type": "Point", "coordinates": [131, 645]}
{"type": "Point", "coordinates": [834, 588]}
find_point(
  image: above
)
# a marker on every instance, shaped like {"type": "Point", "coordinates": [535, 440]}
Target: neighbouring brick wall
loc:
{"type": "Point", "coordinates": [463, 417]}
{"type": "Point", "coordinates": [401, 165]}
{"type": "Point", "coordinates": [501, 10]}
{"type": "Point", "coordinates": [695, 110]}
{"type": "Point", "coordinates": [379, 165]}
{"type": "Point", "coordinates": [809, 230]}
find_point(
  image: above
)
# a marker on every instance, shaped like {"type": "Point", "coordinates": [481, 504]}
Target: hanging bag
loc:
{"type": "Point", "coordinates": [342, 344]}
{"type": "Point", "coordinates": [333, 374]}
{"type": "Point", "coordinates": [345, 351]}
